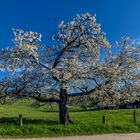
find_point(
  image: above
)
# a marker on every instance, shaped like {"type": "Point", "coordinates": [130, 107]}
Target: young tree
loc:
{"type": "Point", "coordinates": [71, 65]}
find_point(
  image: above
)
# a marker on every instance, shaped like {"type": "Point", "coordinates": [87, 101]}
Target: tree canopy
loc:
{"type": "Point", "coordinates": [77, 61]}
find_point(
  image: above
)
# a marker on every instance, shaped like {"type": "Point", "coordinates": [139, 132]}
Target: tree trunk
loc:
{"type": "Point", "coordinates": [63, 110]}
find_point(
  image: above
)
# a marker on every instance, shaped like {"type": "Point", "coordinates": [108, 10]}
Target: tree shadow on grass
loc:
{"type": "Point", "coordinates": [26, 121]}
{"type": "Point", "coordinates": [69, 110]}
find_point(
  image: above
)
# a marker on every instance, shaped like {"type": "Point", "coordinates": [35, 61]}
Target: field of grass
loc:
{"type": "Point", "coordinates": [43, 121]}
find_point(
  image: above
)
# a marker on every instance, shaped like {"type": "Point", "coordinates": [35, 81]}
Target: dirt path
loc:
{"type": "Point", "coordinates": [133, 136]}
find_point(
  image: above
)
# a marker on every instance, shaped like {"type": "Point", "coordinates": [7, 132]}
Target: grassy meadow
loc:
{"type": "Point", "coordinates": [43, 121]}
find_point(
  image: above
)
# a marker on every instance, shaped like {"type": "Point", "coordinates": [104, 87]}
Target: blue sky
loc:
{"type": "Point", "coordinates": [117, 17]}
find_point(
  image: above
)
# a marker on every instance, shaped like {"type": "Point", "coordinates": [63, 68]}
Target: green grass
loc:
{"type": "Point", "coordinates": [43, 121]}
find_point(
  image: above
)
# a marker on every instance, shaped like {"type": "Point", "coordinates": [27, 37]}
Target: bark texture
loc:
{"type": "Point", "coordinates": [63, 110]}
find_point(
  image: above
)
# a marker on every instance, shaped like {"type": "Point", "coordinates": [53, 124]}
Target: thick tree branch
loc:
{"type": "Point", "coordinates": [63, 50]}
{"type": "Point", "coordinates": [88, 92]}
{"type": "Point", "coordinates": [45, 100]}
{"type": "Point", "coordinates": [16, 92]}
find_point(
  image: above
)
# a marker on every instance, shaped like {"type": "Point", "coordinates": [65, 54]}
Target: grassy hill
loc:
{"type": "Point", "coordinates": [43, 121]}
